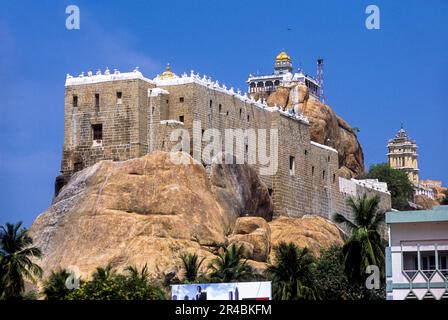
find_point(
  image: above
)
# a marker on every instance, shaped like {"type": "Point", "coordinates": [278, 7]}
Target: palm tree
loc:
{"type": "Point", "coordinates": [292, 273]}
{"type": "Point", "coordinates": [104, 274]}
{"type": "Point", "coordinates": [55, 287]}
{"type": "Point", "coordinates": [191, 264]}
{"type": "Point", "coordinates": [229, 266]}
{"type": "Point", "coordinates": [365, 245]}
{"type": "Point", "coordinates": [138, 275]}
{"type": "Point", "coordinates": [16, 254]}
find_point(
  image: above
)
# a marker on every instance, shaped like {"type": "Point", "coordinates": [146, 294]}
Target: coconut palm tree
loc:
{"type": "Point", "coordinates": [191, 264]}
{"type": "Point", "coordinates": [292, 273]}
{"type": "Point", "coordinates": [365, 246]}
{"type": "Point", "coordinates": [230, 265]}
{"type": "Point", "coordinates": [16, 254]}
{"type": "Point", "coordinates": [55, 287]}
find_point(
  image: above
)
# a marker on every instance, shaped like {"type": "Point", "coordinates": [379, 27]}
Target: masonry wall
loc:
{"type": "Point", "coordinates": [123, 124]}
{"type": "Point", "coordinates": [305, 179]}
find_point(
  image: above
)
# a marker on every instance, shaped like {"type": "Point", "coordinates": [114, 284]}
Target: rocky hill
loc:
{"type": "Point", "coordinates": [326, 127]}
{"type": "Point", "coordinates": [149, 211]}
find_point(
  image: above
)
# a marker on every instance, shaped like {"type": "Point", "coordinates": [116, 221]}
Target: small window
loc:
{"type": "Point", "coordinates": [181, 119]}
{"type": "Point", "coordinates": [97, 101]}
{"type": "Point", "coordinates": [270, 191]}
{"type": "Point", "coordinates": [153, 109]}
{"type": "Point", "coordinates": [75, 101]}
{"type": "Point", "coordinates": [323, 174]}
{"type": "Point", "coordinates": [119, 97]}
{"type": "Point", "coordinates": [292, 165]}
{"type": "Point", "coordinates": [97, 131]}
{"type": "Point", "coordinates": [227, 113]}
{"type": "Point", "coordinates": [220, 108]}
{"type": "Point", "coordinates": [334, 178]}
{"type": "Point", "coordinates": [211, 103]}
{"type": "Point", "coordinates": [181, 99]}
{"type": "Point", "coordinates": [167, 101]}
{"type": "Point", "coordinates": [241, 112]}
{"type": "Point", "coordinates": [77, 166]}
{"type": "Point", "coordinates": [306, 152]}
{"type": "Point", "coordinates": [247, 148]}
{"type": "Point", "coordinates": [328, 158]}
{"type": "Point", "coordinates": [312, 171]}
{"type": "Point", "coordinates": [248, 118]}
{"type": "Point", "coordinates": [202, 133]}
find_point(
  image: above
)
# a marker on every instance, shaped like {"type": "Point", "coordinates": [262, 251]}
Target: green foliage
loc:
{"type": "Point", "coordinates": [330, 280]}
{"type": "Point", "coordinates": [191, 264]}
{"type": "Point", "coordinates": [444, 201]}
{"type": "Point", "coordinates": [365, 246]}
{"type": "Point", "coordinates": [401, 189]}
{"type": "Point", "coordinates": [230, 266]}
{"type": "Point", "coordinates": [55, 287]}
{"type": "Point", "coordinates": [16, 264]}
{"type": "Point", "coordinates": [107, 284]}
{"type": "Point", "coordinates": [292, 274]}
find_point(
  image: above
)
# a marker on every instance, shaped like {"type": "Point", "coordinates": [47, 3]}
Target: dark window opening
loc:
{"type": "Point", "coordinates": [181, 119]}
{"type": "Point", "coordinates": [97, 101]}
{"type": "Point", "coordinates": [119, 97]}
{"type": "Point", "coordinates": [97, 131]}
{"type": "Point", "coordinates": [328, 159]}
{"type": "Point", "coordinates": [306, 152]}
{"type": "Point", "coordinates": [211, 103]}
{"type": "Point", "coordinates": [292, 165]}
{"type": "Point", "coordinates": [241, 112]}
{"type": "Point", "coordinates": [248, 118]}
{"type": "Point", "coordinates": [312, 171]}
{"type": "Point", "coordinates": [323, 174]}
{"type": "Point", "coordinates": [334, 178]}
{"type": "Point", "coordinates": [75, 101]}
{"type": "Point", "coordinates": [77, 166]}
{"type": "Point", "coordinates": [270, 191]}
{"type": "Point", "coordinates": [220, 108]}
{"type": "Point", "coordinates": [167, 100]}
{"type": "Point", "coordinates": [153, 109]}
{"type": "Point", "coordinates": [181, 99]}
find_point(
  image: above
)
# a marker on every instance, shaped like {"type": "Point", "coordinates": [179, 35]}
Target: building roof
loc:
{"type": "Point", "coordinates": [438, 213]}
{"type": "Point", "coordinates": [283, 56]}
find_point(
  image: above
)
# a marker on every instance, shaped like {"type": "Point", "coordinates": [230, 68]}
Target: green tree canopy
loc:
{"type": "Point", "coordinates": [230, 266]}
{"type": "Point", "coordinates": [16, 260]}
{"type": "Point", "coordinates": [444, 201]}
{"type": "Point", "coordinates": [401, 189]}
{"type": "Point", "coordinates": [365, 245]}
{"type": "Point", "coordinates": [191, 264]}
{"type": "Point", "coordinates": [107, 284]}
{"type": "Point", "coordinates": [292, 273]}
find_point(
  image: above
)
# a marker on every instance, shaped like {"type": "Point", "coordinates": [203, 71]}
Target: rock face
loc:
{"type": "Point", "coordinates": [240, 187]}
{"type": "Point", "coordinates": [256, 233]}
{"type": "Point", "coordinates": [149, 211]}
{"type": "Point", "coordinates": [309, 231]}
{"type": "Point", "coordinates": [326, 127]}
{"type": "Point", "coordinates": [425, 203]}
{"type": "Point", "coordinates": [145, 210]}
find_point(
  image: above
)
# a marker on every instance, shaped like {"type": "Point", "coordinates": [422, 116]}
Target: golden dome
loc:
{"type": "Point", "coordinates": [167, 73]}
{"type": "Point", "coordinates": [283, 56]}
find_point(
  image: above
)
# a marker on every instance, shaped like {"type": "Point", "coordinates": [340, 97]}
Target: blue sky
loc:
{"type": "Point", "coordinates": [375, 79]}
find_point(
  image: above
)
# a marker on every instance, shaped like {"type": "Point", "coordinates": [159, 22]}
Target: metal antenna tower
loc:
{"type": "Point", "coordinates": [320, 78]}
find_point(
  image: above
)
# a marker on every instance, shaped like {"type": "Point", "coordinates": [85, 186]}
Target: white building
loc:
{"type": "Point", "coordinates": [417, 255]}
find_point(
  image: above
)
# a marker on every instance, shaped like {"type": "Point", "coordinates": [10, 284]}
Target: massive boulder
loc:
{"type": "Point", "coordinates": [149, 210]}
{"type": "Point", "coordinates": [144, 210]}
{"type": "Point", "coordinates": [326, 127]}
{"type": "Point", "coordinates": [309, 231]}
